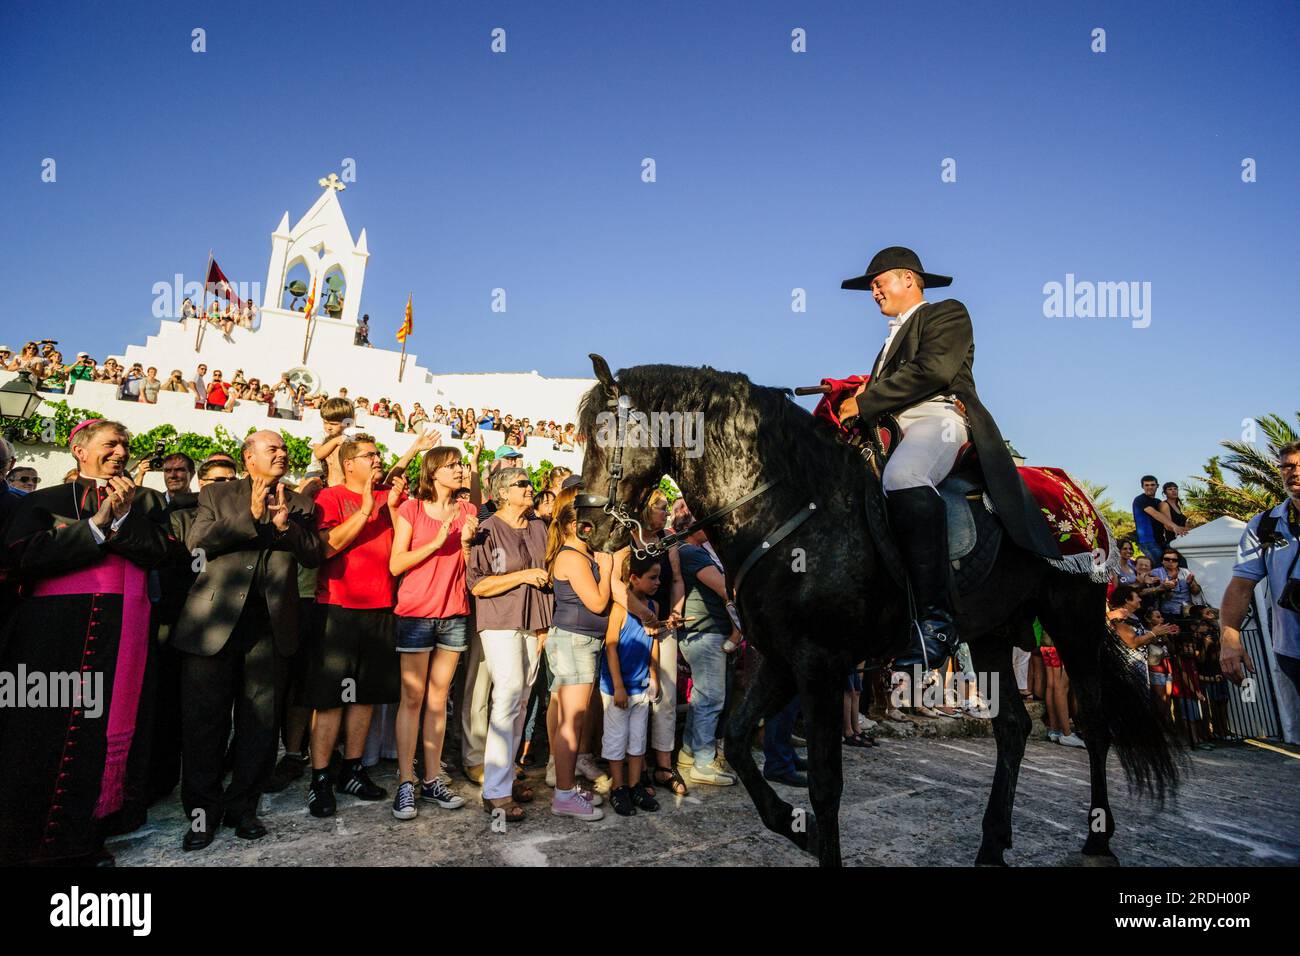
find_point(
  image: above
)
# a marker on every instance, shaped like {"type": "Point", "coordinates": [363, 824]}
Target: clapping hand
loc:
{"type": "Point", "coordinates": [397, 488]}
{"type": "Point", "coordinates": [279, 509]}
{"type": "Point", "coordinates": [468, 530]}
{"type": "Point", "coordinates": [257, 502]}
{"type": "Point", "coordinates": [428, 439]}
{"type": "Point", "coordinates": [121, 494]}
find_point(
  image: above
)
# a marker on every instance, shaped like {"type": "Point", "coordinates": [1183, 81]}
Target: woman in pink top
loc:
{"type": "Point", "coordinates": [431, 539]}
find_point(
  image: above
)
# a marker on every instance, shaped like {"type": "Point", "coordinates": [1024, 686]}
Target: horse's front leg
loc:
{"type": "Point", "coordinates": [822, 696]}
{"type": "Point", "coordinates": [1011, 726]}
{"type": "Point", "coordinates": [771, 689]}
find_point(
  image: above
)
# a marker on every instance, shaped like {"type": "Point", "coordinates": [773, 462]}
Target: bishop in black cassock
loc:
{"type": "Point", "coordinates": [80, 553]}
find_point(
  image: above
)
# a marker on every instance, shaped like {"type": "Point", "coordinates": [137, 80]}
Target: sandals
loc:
{"type": "Point", "coordinates": [522, 793]}
{"type": "Point", "coordinates": [514, 813]}
{"type": "Point", "coordinates": [858, 740]}
{"type": "Point", "coordinates": [620, 798]}
{"type": "Point", "coordinates": [643, 800]}
{"type": "Point", "coordinates": [671, 778]}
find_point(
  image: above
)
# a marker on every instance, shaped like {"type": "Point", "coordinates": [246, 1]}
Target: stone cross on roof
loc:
{"type": "Point", "coordinates": [332, 182]}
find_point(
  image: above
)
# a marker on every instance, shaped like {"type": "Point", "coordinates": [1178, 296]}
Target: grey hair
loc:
{"type": "Point", "coordinates": [7, 455]}
{"type": "Point", "coordinates": [1290, 448]}
{"type": "Point", "coordinates": [501, 479]}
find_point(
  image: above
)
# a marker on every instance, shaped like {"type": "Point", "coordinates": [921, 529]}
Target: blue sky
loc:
{"type": "Point", "coordinates": [775, 170]}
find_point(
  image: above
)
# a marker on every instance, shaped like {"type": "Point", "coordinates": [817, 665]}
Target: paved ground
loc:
{"type": "Point", "coordinates": [908, 802]}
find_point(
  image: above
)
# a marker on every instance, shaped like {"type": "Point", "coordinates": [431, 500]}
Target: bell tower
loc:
{"type": "Point", "coordinates": [321, 242]}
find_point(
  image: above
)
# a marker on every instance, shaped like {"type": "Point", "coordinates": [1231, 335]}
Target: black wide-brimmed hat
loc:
{"type": "Point", "coordinates": [895, 257]}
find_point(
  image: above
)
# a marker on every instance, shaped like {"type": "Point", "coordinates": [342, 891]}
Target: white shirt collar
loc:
{"type": "Point", "coordinates": [898, 322]}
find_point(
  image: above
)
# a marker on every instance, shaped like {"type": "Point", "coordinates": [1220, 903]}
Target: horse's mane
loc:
{"type": "Point", "coordinates": [740, 417]}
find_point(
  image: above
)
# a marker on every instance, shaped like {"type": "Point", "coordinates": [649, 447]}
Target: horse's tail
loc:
{"type": "Point", "coordinates": [1115, 698]}
{"type": "Point", "coordinates": [1147, 749]}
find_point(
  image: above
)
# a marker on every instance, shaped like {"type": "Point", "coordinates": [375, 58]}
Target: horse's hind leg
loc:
{"type": "Point", "coordinates": [821, 691]}
{"type": "Point", "coordinates": [1011, 725]}
{"type": "Point", "coordinates": [1101, 822]}
{"type": "Point", "coordinates": [771, 689]}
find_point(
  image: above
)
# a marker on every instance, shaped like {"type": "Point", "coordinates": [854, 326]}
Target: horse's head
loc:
{"type": "Point", "coordinates": [619, 472]}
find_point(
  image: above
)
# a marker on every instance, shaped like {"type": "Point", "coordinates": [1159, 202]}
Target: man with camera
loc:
{"type": "Point", "coordinates": [1269, 548]}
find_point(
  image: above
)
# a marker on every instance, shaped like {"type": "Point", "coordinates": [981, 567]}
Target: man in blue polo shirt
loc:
{"type": "Point", "coordinates": [1274, 558]}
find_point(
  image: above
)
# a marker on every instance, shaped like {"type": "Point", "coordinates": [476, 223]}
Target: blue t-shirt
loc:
{"type": "Point", "coordinates": [633, 658]}
{"type": "Point", "coordinates": [1147, 529]}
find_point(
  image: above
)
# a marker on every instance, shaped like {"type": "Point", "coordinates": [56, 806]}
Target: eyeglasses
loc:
{"type": "Point", "coordinates": [369, 454]}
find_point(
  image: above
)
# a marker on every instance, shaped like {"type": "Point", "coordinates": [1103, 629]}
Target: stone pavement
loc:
{"type": "Point", "coordinates": [908, 802]}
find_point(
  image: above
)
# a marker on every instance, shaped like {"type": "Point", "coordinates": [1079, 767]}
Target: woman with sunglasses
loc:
{"type": "Point", "coordinates": [513, 610]}
{"type": "Point", "coordinates": [432, 535]}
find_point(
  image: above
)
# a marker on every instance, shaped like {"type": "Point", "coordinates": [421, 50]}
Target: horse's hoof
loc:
{"type": "Point", "coordinates": [990, 859]}
{"type": "Point", "coordinates": [1098, 859]}
{"type": "Point", "coordinates": [804, 832]}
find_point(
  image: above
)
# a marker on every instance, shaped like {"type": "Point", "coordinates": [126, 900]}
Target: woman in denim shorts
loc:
{"type": "Point", "coordinates": [581, 583]}
{"type": "Point", "coordinates": [431, 542]}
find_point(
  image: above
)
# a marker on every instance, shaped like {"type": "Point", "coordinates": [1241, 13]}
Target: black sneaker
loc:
{"type": "Point", "coordinates": [320, 796]}
{"type": "Point", "coordinates": [620, 798]}
{"type": "Point", "coordinates": [356, 781]}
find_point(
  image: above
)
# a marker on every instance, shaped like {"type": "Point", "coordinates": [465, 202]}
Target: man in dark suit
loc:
{"type": "Point", "coordinates": [235, 634]}
{"type": "Point", "coordinates": [81, 552]}
{"type": "Point", "coordinates": [923, 377]}
{"type": "Point", "coordinates": [174, 581]}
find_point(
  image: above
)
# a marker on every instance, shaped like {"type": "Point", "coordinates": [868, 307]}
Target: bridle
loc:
{"type": "Point", "coordinates": [617, 510]}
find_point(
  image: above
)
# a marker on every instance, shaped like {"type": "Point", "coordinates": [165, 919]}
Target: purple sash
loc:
{"type": "Point", "coordinates": [115, 575]}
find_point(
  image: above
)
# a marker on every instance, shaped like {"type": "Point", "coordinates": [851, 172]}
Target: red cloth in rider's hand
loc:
{"type": "Point", "coordinates": [840, 389]}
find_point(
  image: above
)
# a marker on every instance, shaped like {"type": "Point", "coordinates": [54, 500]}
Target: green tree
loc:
{"type": "Point", "coordinates": [1258, 485]}
{"type": "Point", "coordinates": [1119, 519]}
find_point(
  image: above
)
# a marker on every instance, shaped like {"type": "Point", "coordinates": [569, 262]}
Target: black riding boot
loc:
{"type": "Point", "coordinates": [920, 526]}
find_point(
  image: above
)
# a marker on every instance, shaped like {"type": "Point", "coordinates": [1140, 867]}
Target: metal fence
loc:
{"type": "Point", "coordinates": [1259, 716]}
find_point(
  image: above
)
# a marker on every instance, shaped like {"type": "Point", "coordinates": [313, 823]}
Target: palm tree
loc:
{"type": "Point", "coordinates": [1119, 519]}
{"type": "Point", "coordinates": [1259, 485]}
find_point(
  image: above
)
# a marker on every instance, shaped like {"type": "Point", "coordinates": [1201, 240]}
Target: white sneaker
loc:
{"type": "Point", "coordinates": [711, 774]}
{"type": "Point", "coordinates": [865, 724]}
{"type": "Point", "coordinates": [1070, 740]}
{"type": "Point", "coordinates": [685, 759]}
{"type": "Point", "coordinates": [586, 767]}
{"type": "Point", "coordinates": [976, 708]}
{"type": "Point", "coordinates": [550, 772]}
{"type": "Point", "coordinates": [1053, 736]}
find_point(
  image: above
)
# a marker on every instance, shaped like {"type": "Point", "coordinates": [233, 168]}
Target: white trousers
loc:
{"type": "Point", "coordinates": [474, 705]}
{"type": "Point", "coordinates": [663, 715]}
{"type": "Point", "coordinates": [625, 727]}
{"type": "Point", "coordinates": [933, 433]}
{"type": "Point", "coordinates": [512, 663]}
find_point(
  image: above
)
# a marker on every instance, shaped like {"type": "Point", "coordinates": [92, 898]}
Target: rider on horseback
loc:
{"type": "Point", "coordinates": [922, 377]}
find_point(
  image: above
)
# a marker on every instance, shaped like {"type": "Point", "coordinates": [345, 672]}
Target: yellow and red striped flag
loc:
{"type": "Point", "coordinates": [405, 330]}
{"type": "Point", "coordinates": [311, 300]}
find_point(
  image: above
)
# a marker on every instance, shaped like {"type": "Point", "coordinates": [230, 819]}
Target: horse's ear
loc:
{"type": "Point", "coordinates": [603, 374]}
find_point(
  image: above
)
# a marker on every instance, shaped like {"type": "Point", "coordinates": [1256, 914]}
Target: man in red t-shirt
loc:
{"type": "Point", "coordinates": [218, 392]}
{"type": "Point", "coordinates": [352, 661]}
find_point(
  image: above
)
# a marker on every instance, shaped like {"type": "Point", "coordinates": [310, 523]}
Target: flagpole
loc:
{"type": "Point", "coordinates": [401, 368]}
{"type": "Point", "coordinates": [202, 309]}
{"type": "Point", "coordinates": [308, 309]}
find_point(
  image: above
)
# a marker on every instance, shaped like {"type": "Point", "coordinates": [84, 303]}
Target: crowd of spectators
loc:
{"type": "Point", "coordinates": [468, 593]}
{"type": "Point", "coordinates": [214, 391]}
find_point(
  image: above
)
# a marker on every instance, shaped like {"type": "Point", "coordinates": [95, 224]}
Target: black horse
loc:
{"type": "Point", "coordinates": [823, 598]}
